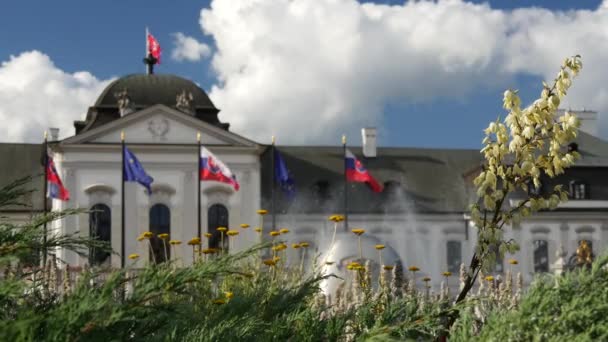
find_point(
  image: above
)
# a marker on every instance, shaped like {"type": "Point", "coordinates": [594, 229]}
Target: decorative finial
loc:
{"type": "Point", "coordinates": [198, 136]}
{"type": "Point", "coordinates": [122, 135]}
{"type": "Point", "coordinates": [343, 139]}
{"type": "Point", "coordinates": [46, 134]}
{"type": "Point", "coordinates": [273, 139]}
{"type": "Point", "coordinates": [184, 101]}
{"type": "Point", "coordinates": [125, 105]}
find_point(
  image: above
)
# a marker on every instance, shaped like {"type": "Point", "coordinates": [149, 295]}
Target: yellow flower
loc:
{"type": "Point", "coordinates": [175, 242]}
{"type": "Point", "coordinates": [258, 229]}
{"type": "Point", "coordinates": [283, 230]}
{"type": "Point", "coordinates": [490, 278]}
{"type": "Point", "coordinates": [295, 245]}
{"type": "Point", "coordinates": [447, 274]}
{"type": "Point", "coordinates": [269, 262]}
{"type": "Point", "coordinates": [304, 244]}
{"type": "Point", "coordinates": [426, 279]}
{"type": "Point", "coordinates": [221, 229]}
{"type": "Point", "coordinates": [329, 263]}
{"type": "Point", "coordinates": [274, 233]}
{"type": "Point", "coordinates": [133, 256]}
{"type": "Point", "coordinates": [388, 267]}
{"type": "Point", "coordinates": [147, 235]}
{"type": "Point", "coordinates": [379, 247]}
{"type": "Point", "coordinates": [208, 235]}
{"type": "Point", "coordinates": [163, 236]}
{"type": "Point", "coordinates": [194, 241]}
{"type": "Point", "coordinates": [276, 258]}
{"type": "Point", "coordinates": [262, 212]}
{"type": "Point", "coordinates": [244, 225]}
{"type": "Point", "coordinates": [279, 247]}
{"type": "Point", "coordinates": [219, 301]}
{"type": "Point", "coordinates": [232, 232]}
{"type": "Point", "coordinates": [358, 231]}
{"type": "Point", "coordinates": [414, 268]}
{"type": "Point", "coordinates": [513, 262]}
{"type": "Point", "coordinates": [355, 266]}
{"type": "Point", "coordinates": [229, 294]}
{"type": "Point", "coordinates": [208, 251]}
{"type": "Point", "coordinates": [336, 218]}
{"type": "Point", "coordinates": [141, 237]}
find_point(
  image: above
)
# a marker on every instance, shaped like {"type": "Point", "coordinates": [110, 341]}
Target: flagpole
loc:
{"type": "Point", "coordinates": [122, 201]}
{"type": "Point", "coordinates": [44, 199]}
{"type": "Point", "coordinates": [272, 181]}
{"type": "Point", "coordinates": [345, 184]}
{"type": "Point", "coordinates": [198, 196]}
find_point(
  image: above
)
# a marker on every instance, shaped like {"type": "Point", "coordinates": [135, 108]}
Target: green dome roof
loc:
{"type": "Point", "coordinates": [147, 90]}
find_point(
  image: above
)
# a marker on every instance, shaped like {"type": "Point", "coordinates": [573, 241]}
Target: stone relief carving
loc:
{"type": "Point", "coordinates": [185, 102]}
{"type": "Point", "coordinates": [125, 105]}
{"type": "Point", "coordinates": [159, 128]}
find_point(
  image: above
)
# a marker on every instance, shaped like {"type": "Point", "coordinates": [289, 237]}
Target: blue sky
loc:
{"type": "Point", "coordinates": [106, 39]}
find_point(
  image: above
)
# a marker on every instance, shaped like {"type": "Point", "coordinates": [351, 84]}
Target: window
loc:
{"type": "Point", "coordinates": [541, 256]}
{"type": "Point", "coordinates": [217, 216]}
{"type": "Point", "coordinates": [534, 190]}
{"type": "Point", "coordinates": [454, 256]}
{"type": "Point", "coordinates": [100, 228]}
{"type": "Point", "coordinates": [160, 223]}
{"type": "Point", "coordinates": [578, 190]}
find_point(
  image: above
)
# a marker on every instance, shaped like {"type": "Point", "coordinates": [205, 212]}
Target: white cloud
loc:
{"type": "Point", "coordinates": [310, 70]}
{"type": "Point", "coordinates": [36, 95]}
{"type": "Point", "coordinates": [188, 49]}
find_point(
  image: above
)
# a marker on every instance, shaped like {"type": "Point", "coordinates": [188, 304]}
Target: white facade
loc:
{"type": "Point", "coordinates": [90, 165]}
{"type": "Point", "coordinates": [164, 141]}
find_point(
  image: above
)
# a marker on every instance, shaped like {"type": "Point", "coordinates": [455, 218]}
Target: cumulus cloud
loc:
{"type": "Point", "coordinates": [36, 95]}
{"type": "Point", "coordinates": [310, 70]}
{"type": "Point", "coordinates": [188, 49]}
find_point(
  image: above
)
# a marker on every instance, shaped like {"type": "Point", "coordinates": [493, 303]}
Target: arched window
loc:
{"type": "Point", "coordinates": [160, 223]}
{"type": "Point", "coordinates": [541, 256]}
{"type": "Point", "coordinates": [217, 216]}
{"type": "Point", "coordinates": [100, 228]}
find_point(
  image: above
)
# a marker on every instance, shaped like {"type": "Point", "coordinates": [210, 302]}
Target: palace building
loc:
{"type": "Point", "coordinates": [421, 215]}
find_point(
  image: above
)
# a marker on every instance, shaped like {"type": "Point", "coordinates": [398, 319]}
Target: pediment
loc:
{"type": "Point", "coordinates": [159, 124]}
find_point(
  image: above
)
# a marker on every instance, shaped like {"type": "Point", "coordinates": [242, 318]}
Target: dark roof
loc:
{"type": "Point", "coordinates": [423, 180]}
{"type": "Point", "coordinates": [23, 160]}
{"type": "Point", "coordinates": [147, 90]}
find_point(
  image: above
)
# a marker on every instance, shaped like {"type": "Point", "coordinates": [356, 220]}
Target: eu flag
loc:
{"type": "Point", "coordinates": [134, 171]}
{"type": "Point", "coordinates": [282, 176]}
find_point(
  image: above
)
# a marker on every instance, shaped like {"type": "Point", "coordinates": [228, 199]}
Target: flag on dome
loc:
{"type": "Point", "coordinates": [153, 46]}
{"type": "Point", "coordinates": [356, 172]}
{"type": "Point", "coordinates": [55, 185]}
{"type": "Point", "coordinates": [213, 169]}
{"type": "Point", "coordinates": [134, 171]}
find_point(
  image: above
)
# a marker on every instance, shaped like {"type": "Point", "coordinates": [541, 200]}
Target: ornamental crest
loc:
{"type": "Point", "coordinates": [159, 128]}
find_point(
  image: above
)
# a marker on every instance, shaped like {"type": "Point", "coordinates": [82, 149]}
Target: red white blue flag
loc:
{"type": "Point", "coordinates": [213, 169]}
{"type": "Point", "coordinates": [356, 172]}
{"type": "Point", "coordinates": [55, 186]}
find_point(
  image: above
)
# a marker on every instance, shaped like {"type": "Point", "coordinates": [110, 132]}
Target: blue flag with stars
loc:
{"type": "Point", "coordinates": [134, 171]}
{"type": "Point", "coordinates": [282, 176]}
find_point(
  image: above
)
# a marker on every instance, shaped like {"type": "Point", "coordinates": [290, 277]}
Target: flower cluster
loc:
{"type": "Point", "coordinates": [528, 144]}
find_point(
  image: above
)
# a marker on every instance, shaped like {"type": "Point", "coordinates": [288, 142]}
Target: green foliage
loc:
{"type": "Point", "coordinates": [572, 307]}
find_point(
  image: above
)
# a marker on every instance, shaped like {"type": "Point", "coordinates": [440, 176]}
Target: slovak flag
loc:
{"type": "Point", "coordinates": [154, 47]}
{"type": "Point", "coordinates": [356, 172]}
{"type": "Point", "coordinates": [212, 168]}
{"type": "Point", "coordinates": [55, 186]}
